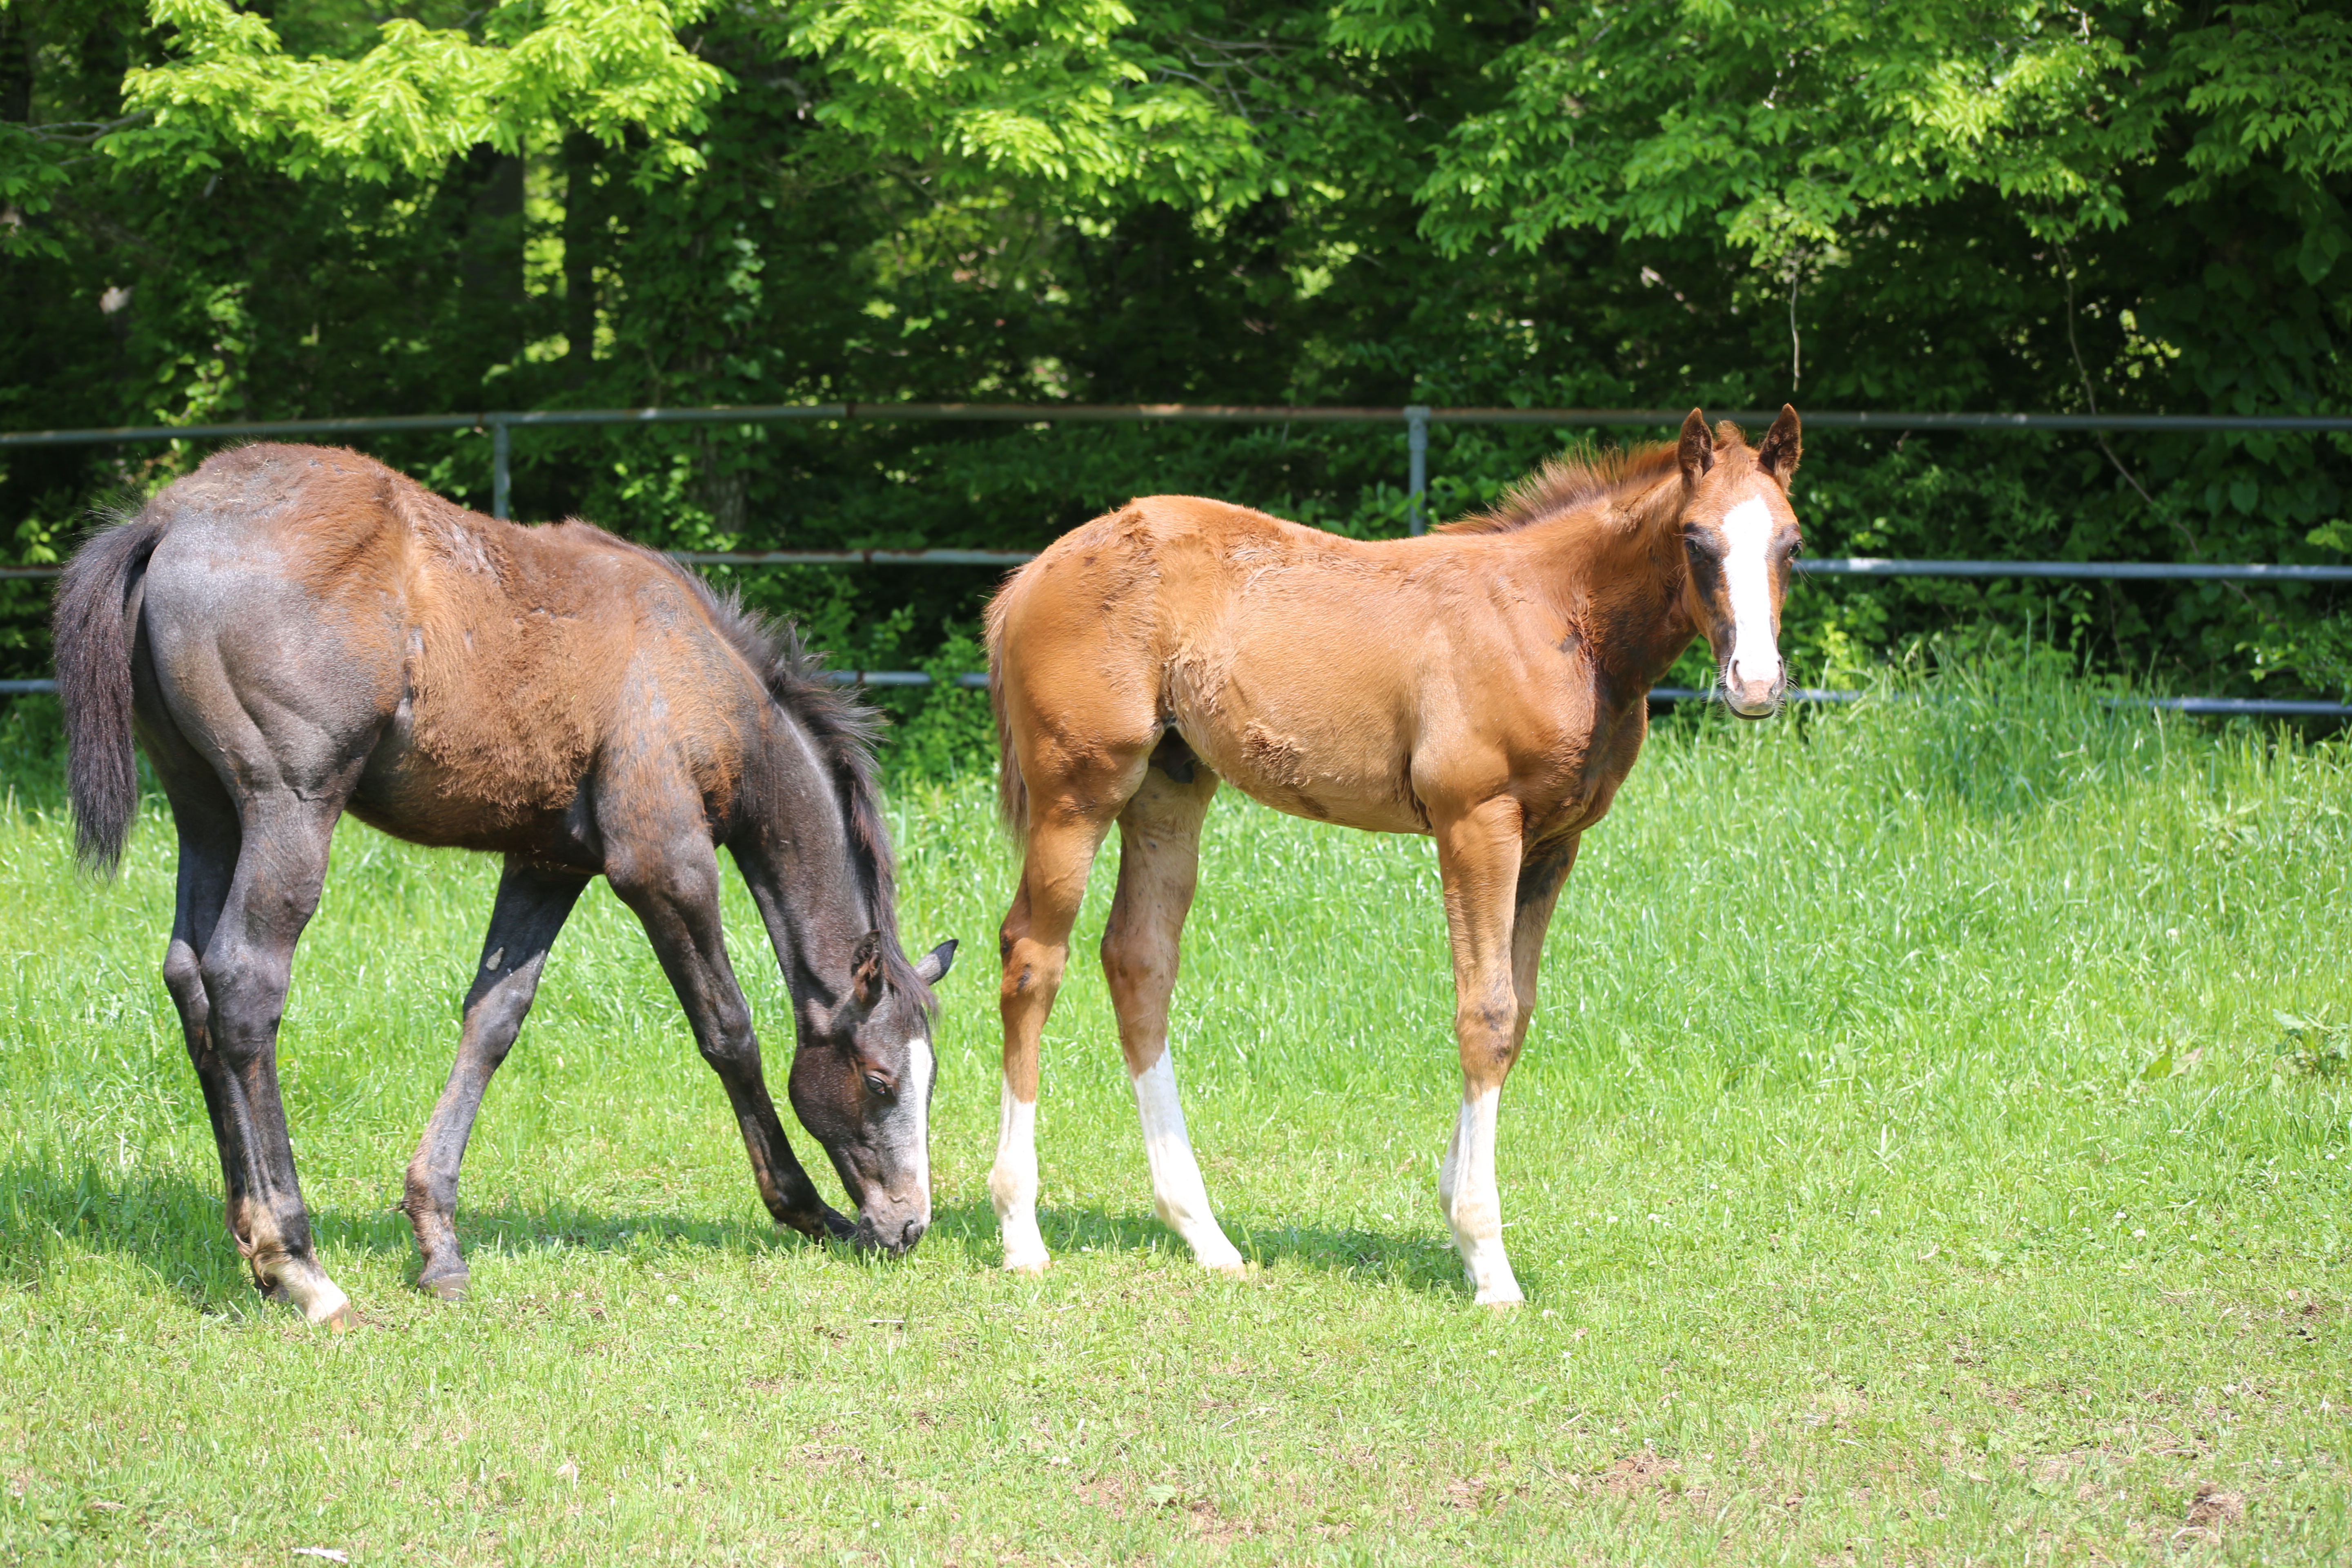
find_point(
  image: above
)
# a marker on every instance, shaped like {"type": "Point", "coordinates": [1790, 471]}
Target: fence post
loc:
{"type": "Point", "coordinates": [1416, 443]}
{"type": "Point", "coordinates": [501, 470]}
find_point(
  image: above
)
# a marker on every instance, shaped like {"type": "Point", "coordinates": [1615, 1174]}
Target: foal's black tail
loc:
{"type": "Point", "coordinates": [92, 634]}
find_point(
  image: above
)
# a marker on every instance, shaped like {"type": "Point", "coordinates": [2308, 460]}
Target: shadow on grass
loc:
{"type": "Point", "coordinates": [171, 1227]}
{"type": "Point", "coordinates": [1426, 1262]}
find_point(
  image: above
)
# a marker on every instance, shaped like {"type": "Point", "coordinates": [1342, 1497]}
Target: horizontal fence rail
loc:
{"type": "Point", "coordinates": [2095, 570]}
{"type": "Point", "coordinates": [1417, 418]}
{"type": "Point", "coordinates": [1824, 566]}
{"type": "Point", "coordinates": [1131, 413]}
{"type": "Point", "coordinates": [1660, 696]}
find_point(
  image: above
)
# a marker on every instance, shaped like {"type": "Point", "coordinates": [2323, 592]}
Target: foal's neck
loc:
{"type": "Point", "coordinates": [1615, 569]}
{"type": "Point", "coordinates": [793, 841]}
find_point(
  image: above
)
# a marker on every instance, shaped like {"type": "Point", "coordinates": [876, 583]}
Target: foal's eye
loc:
{"type": "Point", "coordinates": [874, 1082]}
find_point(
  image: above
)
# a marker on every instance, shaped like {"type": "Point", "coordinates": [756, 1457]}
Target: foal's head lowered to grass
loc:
{"type": "Point", "coordinates": [862, 1086]}
{"type": "Point", "coordinates": [813, 846]}
{"type": "Point", "coordinates": [1741, 539]}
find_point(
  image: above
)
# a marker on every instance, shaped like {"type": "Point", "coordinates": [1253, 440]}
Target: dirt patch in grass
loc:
{"type": "Point", "coordinates": [1644, 1471]}
{"type": "Point", "coordinates": [1128, 1500]}
{"type": "Point", "coordinates": [2212, 1510]}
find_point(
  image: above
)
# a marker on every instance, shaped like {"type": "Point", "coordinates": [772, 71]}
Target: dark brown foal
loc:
{"type": "Point", "coordinates": [296, 632]}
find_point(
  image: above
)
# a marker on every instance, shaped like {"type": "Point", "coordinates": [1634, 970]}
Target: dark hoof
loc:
{"type": "Point", "coordinates": [447, 1287]}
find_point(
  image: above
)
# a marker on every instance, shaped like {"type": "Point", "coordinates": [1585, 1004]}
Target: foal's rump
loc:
{"type": "Point", "coordinates": [1288, 661]}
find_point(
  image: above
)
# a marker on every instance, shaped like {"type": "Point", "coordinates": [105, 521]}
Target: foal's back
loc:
{"type": "Point", "coordinates": [309, 610]}
{"type": "Point", "coordinates": [1315, 673]}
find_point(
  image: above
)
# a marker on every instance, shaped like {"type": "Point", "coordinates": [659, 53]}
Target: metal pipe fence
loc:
{"type": "Point", "coordinates": [1417, 418]}
{"type": "Point", "coordinates": [1660, 696]}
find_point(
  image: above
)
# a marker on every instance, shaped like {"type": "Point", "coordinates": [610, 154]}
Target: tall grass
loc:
{"type": "Point", "coordinates": [1909, 1162]}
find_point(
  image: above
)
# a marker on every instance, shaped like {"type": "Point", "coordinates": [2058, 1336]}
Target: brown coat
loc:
{"type": "Point", "coordinates": [1485, 685]}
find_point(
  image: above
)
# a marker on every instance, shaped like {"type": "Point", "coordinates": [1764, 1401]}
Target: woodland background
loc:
{"type": "Point", "coordinates": [317, 207]}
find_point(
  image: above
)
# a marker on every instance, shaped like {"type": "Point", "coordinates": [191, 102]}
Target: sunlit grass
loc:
{"type": "Point", "coordinates": [1902, 1165]}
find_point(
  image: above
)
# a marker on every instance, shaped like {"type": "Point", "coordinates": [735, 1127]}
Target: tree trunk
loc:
{"type": "Point", "coordinates": [582, 227]}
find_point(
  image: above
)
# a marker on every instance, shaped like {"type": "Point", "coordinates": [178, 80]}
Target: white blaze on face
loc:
{"type": "Point", "coordinates": [1748, 531]}
{"type": "Point", "coordinates": [915, 1109]}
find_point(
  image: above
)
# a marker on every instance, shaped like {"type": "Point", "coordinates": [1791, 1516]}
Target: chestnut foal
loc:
{"type": "Point", "coordinates": [1485, 685]}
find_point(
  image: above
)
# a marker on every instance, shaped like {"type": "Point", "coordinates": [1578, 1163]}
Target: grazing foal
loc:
{"type": "Point", "coordinates": [1485, 685]}
{"type": "Point", "coordinates": [296, 632]}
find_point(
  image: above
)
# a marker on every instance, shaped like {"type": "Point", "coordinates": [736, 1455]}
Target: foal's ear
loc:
{"type": "Point", "coordinates": [933, 966]}
{"type": "Point", "coordinates": [865, 971]}
{"type": "Point", "coordinates": [1783, 445]}
{"type": "Point", "coordinates": [1698, 453]}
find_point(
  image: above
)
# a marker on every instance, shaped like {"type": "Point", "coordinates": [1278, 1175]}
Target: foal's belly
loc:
{"type": "Point", "coordinates": [1306, 723]}
{"type": "Point", "coordinates": [1311, 770]}
{"type": "Point", "coordinates": [408, 793]}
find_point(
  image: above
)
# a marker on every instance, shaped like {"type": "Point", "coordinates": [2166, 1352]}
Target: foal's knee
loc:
{"type": "Point", "coordinates": [732, 1046]}
{"type": "Point", "coordinates": [495, 1019]}
{"type": "Point", "coordinates": [1032, 969]}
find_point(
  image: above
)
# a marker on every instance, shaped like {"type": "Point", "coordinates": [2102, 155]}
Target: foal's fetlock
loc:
{"type": "Point", "coordinates": [305, 1285]}
{"type": "Point", "coordinates": [1014, 1199]}
{"type": "Point", "coordinates": [1025, 1245]}
{"type": "Point", "coordinates": [443, 1274]}
{"type": "Point", "coordinates": [1204, 1235]}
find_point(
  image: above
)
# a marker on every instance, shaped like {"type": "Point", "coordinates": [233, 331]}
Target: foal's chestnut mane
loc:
{"type": "Point", "coordinates": [1576, 479]}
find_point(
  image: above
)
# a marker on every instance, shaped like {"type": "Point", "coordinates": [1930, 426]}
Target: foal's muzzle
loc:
{"type": "Point", "coordinates": [1751, 698]}
{"type": "Point", "coordinates": [891, 1228]}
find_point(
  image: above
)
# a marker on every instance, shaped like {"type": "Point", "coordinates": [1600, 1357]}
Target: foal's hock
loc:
{"type": "Point", "coordinates": [296, 632]}
{"type": "Point", "coordinates": [1485, 685]}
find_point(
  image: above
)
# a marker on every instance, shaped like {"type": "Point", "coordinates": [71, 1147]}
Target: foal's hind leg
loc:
{"type": "Point", "coordinates": [1160, 854]}
{"type": "Point", "coordinates": [281, 863]}
{"type": "Point", "coordinates": [1065, 833]}
{"type": "Point", "coordinates": [531, 907]}
{"type": "Point", "coordinates": [206, 824]}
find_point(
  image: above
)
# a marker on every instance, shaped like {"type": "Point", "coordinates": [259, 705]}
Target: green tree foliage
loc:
{"type": "Point", "coordinates": [349, 207]}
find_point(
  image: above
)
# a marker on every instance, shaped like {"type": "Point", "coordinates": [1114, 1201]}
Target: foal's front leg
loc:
{"type": "Point", "coordinates": [672, 884]}
{"type": "Point", "coordinates": [1478, 857]}
{"type": "Point", "coordinates": [531, 907]}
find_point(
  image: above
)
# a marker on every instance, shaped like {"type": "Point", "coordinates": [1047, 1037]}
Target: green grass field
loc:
{"type": "Point", "coordinates": [1904, 1168]}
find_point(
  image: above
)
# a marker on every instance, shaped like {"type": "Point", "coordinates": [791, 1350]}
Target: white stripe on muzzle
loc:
{"type": "Point", "coordinates": [918, 1105]}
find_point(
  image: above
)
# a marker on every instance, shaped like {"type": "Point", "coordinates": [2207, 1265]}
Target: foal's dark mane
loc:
{"type": "Point", "coordinates": [1575, 479]}
{"type": "Point", "coordinates": [844, 731]}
